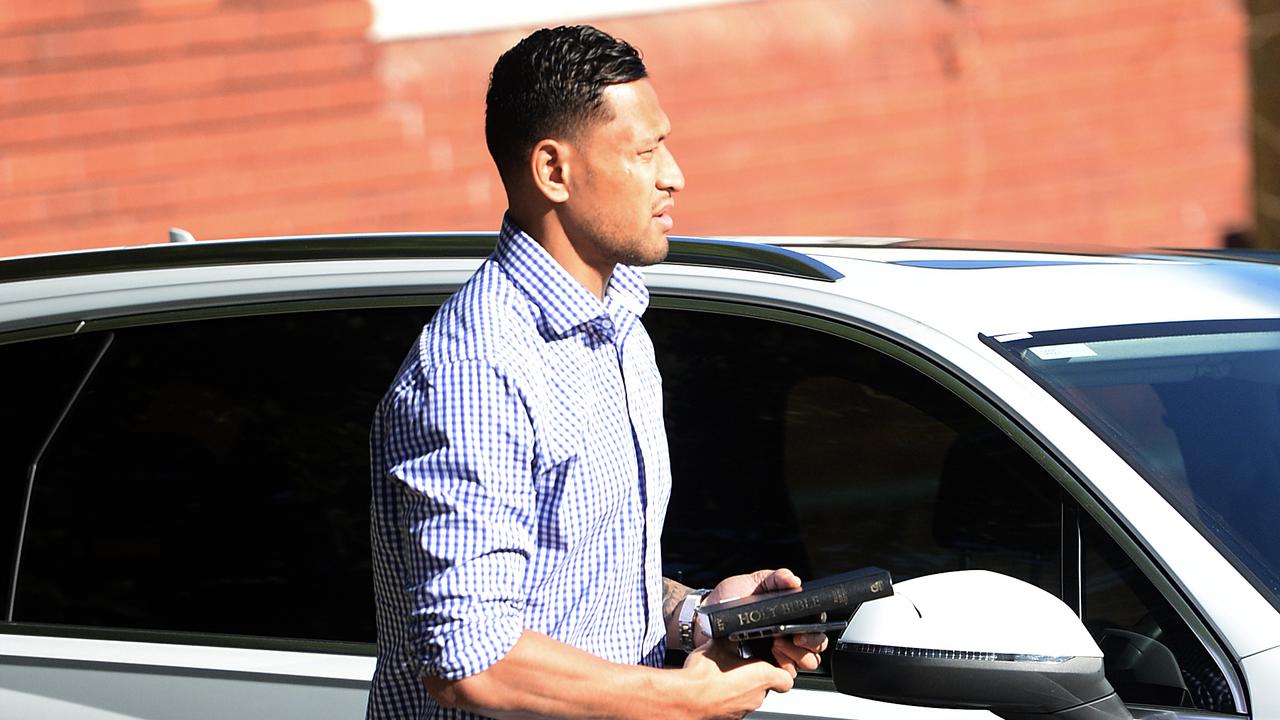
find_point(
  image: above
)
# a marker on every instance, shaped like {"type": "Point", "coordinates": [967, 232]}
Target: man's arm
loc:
{"type": "Point", "coordinates": [466, 521]}
{"type": "Point", "coordinates": [544, 678]}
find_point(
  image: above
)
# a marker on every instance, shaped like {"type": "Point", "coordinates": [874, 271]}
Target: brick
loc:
{"type": "Point", "coordinates": [182, 77]}
{"type": "Point", "coordinates": [1007, 17]}
{"type": "Point", "coordinates": [116, 233]}
{"type": "Point", "coordinates": [44, 170]}
{"type": "Point", "coordinates": [181, 114]}
{"type": "Point", "coordinates": [17, 211]}
{"type": "Point", "coordinates": [306, 176]}
{"type": "Point", "coordinates": [332, 214]}
{"type": "Point", "coordinates": [16, 14]}
{"type": "Point", "coordinates": [16, 49]}
{"type": "Point", "coordinates": [349, 170]}
{"type": "Point", "coordinates": [235, 28]}
{"type": "Point", "coordinates": [176, 7]}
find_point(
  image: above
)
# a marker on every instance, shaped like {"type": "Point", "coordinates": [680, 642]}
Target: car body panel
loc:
{"type": "Point", "coordinates": [818, 704]}
{"type": "Point", "coordinates": [70, 299]}
{"type": "Point", "coordinates": [1261, 671]}
{"type": "Point", "coordinates": [109, 691]}
{"type": "Point", "coordinates": [995, 301]}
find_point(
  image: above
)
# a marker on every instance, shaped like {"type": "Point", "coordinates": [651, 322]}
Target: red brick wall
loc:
{"type": "Point", "coordinates": [1099, 121]}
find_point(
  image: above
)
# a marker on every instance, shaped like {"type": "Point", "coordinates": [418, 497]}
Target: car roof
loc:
{"type": "Point", "coordinates": [958, 287]}
{"type": "Point", "coordinates": [965, 291]}
{"type": "Point", "coordinates": [710, 252]}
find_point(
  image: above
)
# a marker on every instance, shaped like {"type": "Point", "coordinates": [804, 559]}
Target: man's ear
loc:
{"type": "Point", "coordinates": [550, 169]}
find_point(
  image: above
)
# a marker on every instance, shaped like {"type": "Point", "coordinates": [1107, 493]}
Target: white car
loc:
{"type": "Point", "coordinates": [184, 490]}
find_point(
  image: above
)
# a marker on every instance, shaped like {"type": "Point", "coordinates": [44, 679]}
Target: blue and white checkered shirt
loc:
{"type": "Point", "coordinates": [520, 479]}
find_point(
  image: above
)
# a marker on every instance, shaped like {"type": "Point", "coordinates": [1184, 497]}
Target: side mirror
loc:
{"type": "Point", "coordinates": [975, 640]}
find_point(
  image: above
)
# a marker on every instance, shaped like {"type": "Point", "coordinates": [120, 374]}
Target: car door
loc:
{"type": "Point", "coordinates": [805, 443]}
{"type": "Point", "coordinates": [193, 493]}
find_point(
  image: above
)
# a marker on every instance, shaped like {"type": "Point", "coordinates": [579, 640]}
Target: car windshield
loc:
{"type": "Point", "coordinates": [1194, 407]}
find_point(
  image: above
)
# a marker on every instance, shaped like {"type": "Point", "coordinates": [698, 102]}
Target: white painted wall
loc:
{"type": "Point", "coordinates": [405, 19]}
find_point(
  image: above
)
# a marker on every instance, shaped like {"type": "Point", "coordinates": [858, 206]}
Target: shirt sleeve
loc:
{"type": "Point", "coordinates": [459, 454]}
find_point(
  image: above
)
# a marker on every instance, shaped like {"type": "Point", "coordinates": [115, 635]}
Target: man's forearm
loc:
{"type": "Point", "coordinates": [544, 678]}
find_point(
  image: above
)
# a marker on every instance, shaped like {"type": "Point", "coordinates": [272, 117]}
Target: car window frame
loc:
{"type": "Point", "coordinates": [989, 405]}
{"type": "Point", "coordinates": [111, 323]}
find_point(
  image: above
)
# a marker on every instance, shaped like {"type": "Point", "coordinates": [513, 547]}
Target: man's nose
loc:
{"type": "Point", "coordinates": [669, 175]}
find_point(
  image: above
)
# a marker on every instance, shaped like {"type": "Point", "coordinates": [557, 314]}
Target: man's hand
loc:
{"type": "Point", "coordinates": [793, 652]}
{"type": "Point", "coordinates": [729, 686]}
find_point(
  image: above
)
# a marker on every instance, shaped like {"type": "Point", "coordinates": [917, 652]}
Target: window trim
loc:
{"type": "Point", "coordinates": [973, 394]}
{"type": "Point", "coordinates": [178, 637]}
{"type": "Point", "coordinates": [262, 309]}
{"type": "Point", "coordinates": [333, 665]}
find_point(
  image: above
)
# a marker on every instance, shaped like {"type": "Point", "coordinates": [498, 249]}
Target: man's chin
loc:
{"type": "Point", "coordinates": [653, 253]}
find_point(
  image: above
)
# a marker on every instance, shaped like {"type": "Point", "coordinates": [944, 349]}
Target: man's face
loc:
{"type": "Point", "coordinates": [622, 180]}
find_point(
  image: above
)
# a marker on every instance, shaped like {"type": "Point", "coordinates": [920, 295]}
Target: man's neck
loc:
{"type": "Point", "coordinates": [546, 230]}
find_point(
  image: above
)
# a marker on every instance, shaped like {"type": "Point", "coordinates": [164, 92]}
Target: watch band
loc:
{"type": "Point", "coordinates": [687, 621]}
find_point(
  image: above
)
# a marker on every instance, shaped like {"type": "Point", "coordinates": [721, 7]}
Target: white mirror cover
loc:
{"type": "Point", "coordinates": [972, 611]}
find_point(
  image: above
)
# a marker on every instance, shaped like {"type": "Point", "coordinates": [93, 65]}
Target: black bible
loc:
{"type": "Point", "coordinates": [837, 594]}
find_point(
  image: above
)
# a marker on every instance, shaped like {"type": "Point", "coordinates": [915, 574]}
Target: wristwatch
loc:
{"type": "Point", "coordinates": [686, 618]}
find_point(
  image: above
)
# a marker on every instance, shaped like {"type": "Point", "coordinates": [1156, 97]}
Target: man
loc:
{"type": "Point", "coordinates": [520, 469]}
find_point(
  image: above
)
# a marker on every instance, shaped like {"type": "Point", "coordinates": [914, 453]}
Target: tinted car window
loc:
{"type": "Point", "coordinates": [213, 477]}
{"type": "Point", "coordinates": [792, 447]}
{"type": "Point", "coordinates": [1150, 654]}
{"type": "Point", "coordinates": [797, 448]}
{"type": "Point", "coordinates": [1194, 407]}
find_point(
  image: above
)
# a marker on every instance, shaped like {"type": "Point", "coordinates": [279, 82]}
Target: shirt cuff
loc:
{"type": "Point", "coordinates": [471, 646]}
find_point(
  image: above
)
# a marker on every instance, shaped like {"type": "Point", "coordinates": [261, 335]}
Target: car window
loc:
{"type": "Point", "coordinates": [793, 447]}
{"type": "Point", "coordinates": [798, 448]}
{"type": "Point", "coordinates": [213, 477]}
{"type": "Point", "coordinates": [1150, 654]}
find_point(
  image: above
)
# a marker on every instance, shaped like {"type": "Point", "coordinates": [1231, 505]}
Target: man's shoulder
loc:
{"type": "Point", "coordinates": [487, 320]}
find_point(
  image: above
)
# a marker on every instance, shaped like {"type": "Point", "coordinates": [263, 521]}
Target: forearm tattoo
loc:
{"type": "Point", "coordinates": [673, 593]}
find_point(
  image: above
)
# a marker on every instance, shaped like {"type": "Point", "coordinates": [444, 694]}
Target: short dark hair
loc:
{"type": "Point", "coordinates": [549, 86]}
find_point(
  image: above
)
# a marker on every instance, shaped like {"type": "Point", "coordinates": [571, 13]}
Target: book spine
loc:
{"type": "Point", "coordinates": [790, 608]}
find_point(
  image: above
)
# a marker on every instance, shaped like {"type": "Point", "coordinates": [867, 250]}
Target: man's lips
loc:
{"type": "Point", "coordinates": [663, 216]}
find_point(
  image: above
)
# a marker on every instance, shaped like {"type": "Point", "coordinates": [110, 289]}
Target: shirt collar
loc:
{"type": "Point", "coordinates": [564, 303]}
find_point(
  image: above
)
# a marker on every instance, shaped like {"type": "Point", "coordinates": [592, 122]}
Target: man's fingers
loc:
{"type": "Point", "coordinates": [786, 663]}
{"type": "Point", "coordinates": [797, 656]}
{"type": "Point", "coordinates": [813, 642]}
{"type": "Point", "coordinates": [781, 579]}
{"type": "Point", "coordinates": [775, 678]}
{"type": "Point", "coordinates": [795, 661]}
